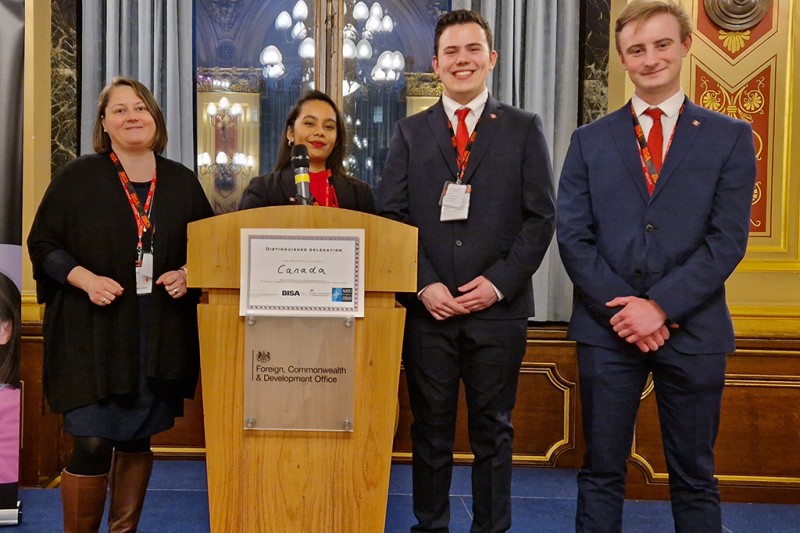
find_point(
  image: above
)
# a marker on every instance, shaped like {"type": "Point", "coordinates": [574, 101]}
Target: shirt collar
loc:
{"type": "Point", "coordinates": [670, 107]}
{"type": "Point", "coordinates": [476, 105]}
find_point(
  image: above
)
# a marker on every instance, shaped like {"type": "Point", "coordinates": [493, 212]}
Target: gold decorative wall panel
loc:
{"type": "Point", "coordinates": [747, 74]}
{"type": "Point", "coordinates": [751, 100]}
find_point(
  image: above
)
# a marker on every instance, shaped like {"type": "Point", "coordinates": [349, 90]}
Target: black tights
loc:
{"type": "Point", "coordinates": [91, 456]}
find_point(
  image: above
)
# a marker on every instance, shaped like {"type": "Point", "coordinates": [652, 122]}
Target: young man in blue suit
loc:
{"type": "Point", "coordinates": [474, 176]}
{"type": "Point", "coordinates": [648, 248]}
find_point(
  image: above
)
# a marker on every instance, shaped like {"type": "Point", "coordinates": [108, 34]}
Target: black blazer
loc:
{"type": "Point", "coordinates": [511, 215]}
{"type": "Point", "coordinates": [278, 188]}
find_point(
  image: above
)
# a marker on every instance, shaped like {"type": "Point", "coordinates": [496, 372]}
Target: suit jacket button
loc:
{"type": "Point", "coordinates": [458, 243]}
{"type": "Point", "coordinates": [650, 228]}
{"type": "Point", "coordinates": [637, 273]}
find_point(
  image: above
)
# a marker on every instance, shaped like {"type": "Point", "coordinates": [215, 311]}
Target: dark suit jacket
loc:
{"type": "Point", "coordinates": [677, 247]}
{"type": "Point", "coordinates": [511, 215]}
{"type": "Point", "coordinates": [278, 188]}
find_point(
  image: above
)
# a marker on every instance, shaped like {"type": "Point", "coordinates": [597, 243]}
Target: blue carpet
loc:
{"type": "Point", "coordinates": [543, 502]}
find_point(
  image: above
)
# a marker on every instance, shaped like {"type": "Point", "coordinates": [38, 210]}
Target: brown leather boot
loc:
{"type": "Point", "coordinates": [130, 474]}
{"type": "Point", "coordinates": [83, 499]}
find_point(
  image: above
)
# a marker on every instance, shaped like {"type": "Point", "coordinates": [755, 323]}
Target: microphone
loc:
{"type": "Point", "coordinates": [302, 180]}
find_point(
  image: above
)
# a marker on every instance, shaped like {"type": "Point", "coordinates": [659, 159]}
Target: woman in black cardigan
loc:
{"type": "Point", "coordinates": [315, 122]}
{"type": "Point", "coordinates": [121, 351]}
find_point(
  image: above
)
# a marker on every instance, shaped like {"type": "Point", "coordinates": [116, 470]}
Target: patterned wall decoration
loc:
{"type": "Point", "coordinates": [64, 83]}
{"type": "Point", "coordinates": [595, 35]}
{"type": "Point", "coordinates": [749, 101]}
{"type": "Point", "coordinates": [734, 44]}
{"type": "Point", "coordinates": [734, 30]}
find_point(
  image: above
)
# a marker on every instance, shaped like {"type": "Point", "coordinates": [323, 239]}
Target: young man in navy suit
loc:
{"type": "Point", "coordinates": [653, 216]}
{"type": "Point", "coordinates": [474, 176]}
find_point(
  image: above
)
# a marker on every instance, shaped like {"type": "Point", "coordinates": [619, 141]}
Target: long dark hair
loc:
{"type": "Point", "coordinates": [335, 162]}
{"type": "Point", "coordinates": [10, 312]}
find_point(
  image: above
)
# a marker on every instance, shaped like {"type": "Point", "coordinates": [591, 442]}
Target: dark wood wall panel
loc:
{"type": "Point", "coordinates": [45, 448]}
{"type": "Point", "coordinates": [759, 428]}
{"type": "Point", "coordinates": [546, 415]}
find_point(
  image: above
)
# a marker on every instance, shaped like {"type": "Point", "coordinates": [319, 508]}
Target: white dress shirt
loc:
{"type": "Point", "coordinates": [475, 106]}
{"type": "Point", "coordinates": [671, 108]}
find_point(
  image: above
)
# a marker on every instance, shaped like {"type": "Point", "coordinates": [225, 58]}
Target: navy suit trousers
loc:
{"type": "Point", "coordinates": [486, 356]}
{"type": "Point", "coordinates": [688, 389]}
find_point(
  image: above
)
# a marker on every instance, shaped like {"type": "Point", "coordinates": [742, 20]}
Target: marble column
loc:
{"type": "Point", "coordinates": [595, 39]}
{"type": "Point", "coordinates": [64, 83]}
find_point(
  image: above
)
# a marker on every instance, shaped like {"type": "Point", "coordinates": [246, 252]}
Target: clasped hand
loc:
{"type": "Point", "coordinates": [103, 290]}
{"type": "Point", "coordinates": [477, 295]}
{"type": "Point", "coordinates": [641, 322]}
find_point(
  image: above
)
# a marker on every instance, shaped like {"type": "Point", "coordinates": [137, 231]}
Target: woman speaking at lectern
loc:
{"type": "Point", "coordinates": [316, 123]}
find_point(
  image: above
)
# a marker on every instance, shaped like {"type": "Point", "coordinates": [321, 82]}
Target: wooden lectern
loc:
{"type": "Point", "coordinates": [300, 481]}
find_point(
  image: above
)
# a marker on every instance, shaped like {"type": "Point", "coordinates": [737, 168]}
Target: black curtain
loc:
{"type": "Point", "coordinates": [12, 42]}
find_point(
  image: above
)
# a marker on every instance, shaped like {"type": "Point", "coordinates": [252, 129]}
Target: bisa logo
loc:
{"type": "Point", "coordinates": [290, 293]}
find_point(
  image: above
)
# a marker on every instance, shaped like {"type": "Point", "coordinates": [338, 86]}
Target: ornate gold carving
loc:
{"type": "Point", "coordinates": [742, 104]}
{"type": "Point", "coordinates": [423, 84]}
{"type": "Point", "coordinates": [237, 80]}
{"type": "Point", "coordinates": [736, 15]}
{"type": "Point", "coordinates": [734, 40]}
{"type": "Point", "coordinates": [757, 196]}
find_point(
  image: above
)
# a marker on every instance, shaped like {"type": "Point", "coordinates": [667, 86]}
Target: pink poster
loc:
{"type": "Point", "coordinates": [10, 398]}
{"type": "Point", "coordinates": [9, 434]}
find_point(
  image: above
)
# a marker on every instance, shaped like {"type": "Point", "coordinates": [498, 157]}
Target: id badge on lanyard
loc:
{"type": "Point", "coordinates": [455, 196]}
{"type": "Point", "coordinates": [454, 201]}
{"type": "Point", "coordinates": [144, 274]}
{"type": "Point", "coordinates": [144, 261]}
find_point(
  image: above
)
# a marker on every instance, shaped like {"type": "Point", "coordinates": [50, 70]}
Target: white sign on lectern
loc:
{"type": "Point", "coordinates": [302, 272]}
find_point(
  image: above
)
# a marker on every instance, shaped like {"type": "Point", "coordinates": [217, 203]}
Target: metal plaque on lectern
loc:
{"type": "Point", "coordinates": [298, 373]}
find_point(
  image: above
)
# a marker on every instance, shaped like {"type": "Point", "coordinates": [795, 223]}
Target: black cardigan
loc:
{"type": "Point", "coordinates": [278, 188]}
{"type": "Point", "coordinates": [91, 352]}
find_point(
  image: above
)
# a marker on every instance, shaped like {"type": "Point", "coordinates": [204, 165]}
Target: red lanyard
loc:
{"type": "Point", "coordinates": [142, 215]}
{"type": "Point", "coordinates": [649, 168]}
{"type": "Point", "coordinates": [461, 161]}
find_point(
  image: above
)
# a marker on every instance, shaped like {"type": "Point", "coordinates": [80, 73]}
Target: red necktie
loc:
{"type": "Point", "coordinates": [462, 135]}
{"type": "Point", "coordinates": [655, 139]}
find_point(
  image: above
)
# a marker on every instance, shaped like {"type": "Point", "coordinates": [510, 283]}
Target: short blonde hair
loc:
{"type": "Point", "coordinates": [101, 142]}
{"type": "Point", "coordinates": [641, 10]}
